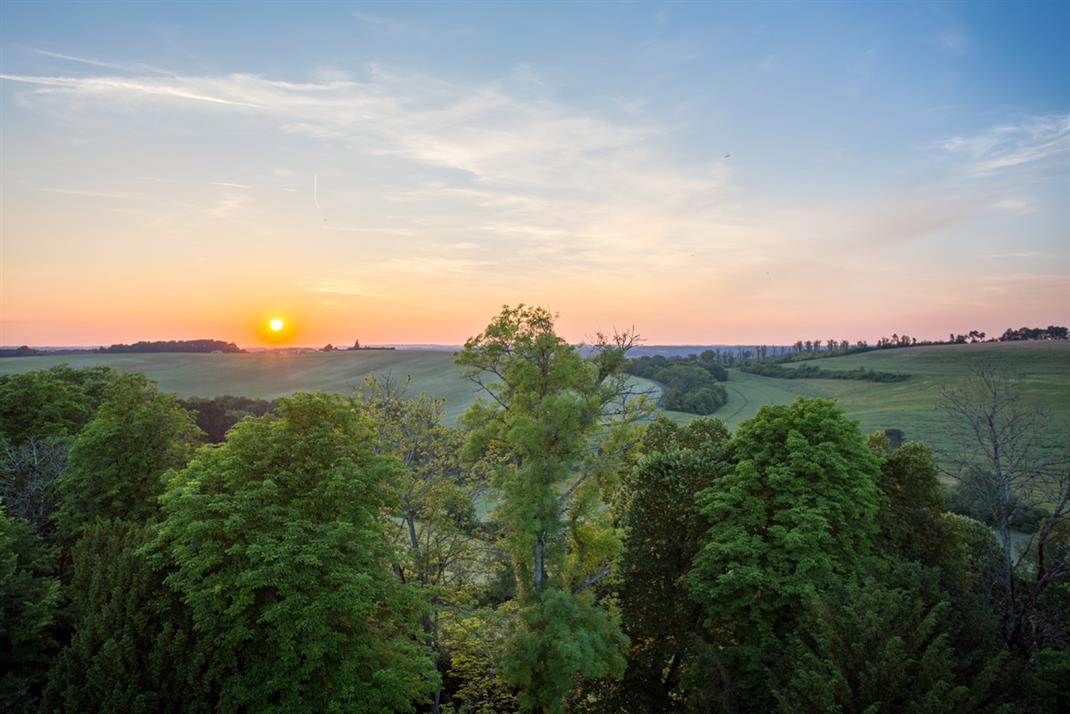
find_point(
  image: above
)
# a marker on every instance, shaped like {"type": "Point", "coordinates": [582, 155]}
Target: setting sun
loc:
{"type": "Point", "coordinates": [275, 324]}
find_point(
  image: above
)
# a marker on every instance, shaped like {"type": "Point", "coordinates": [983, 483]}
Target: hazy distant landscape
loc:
{"type": "Point", "coordinates": [910, 406]}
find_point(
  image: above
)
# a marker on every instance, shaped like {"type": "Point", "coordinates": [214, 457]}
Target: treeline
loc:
{"type": "Point", "coordinates": [23, 351]}
{"type": "Point", "coordinates": [560, 550]}
{"type": "Point", "coordinates": [690, 383]}
{"type": "Point", "coordinates": [175, 346]}
{"type": "Point", "coordinates": [810, 371]}
{"type": "Point", "coordinates": [808, 349]}
{"type": "Point", "coordinates": [1051, 332]}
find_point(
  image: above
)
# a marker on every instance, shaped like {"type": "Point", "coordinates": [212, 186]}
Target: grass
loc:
{"type": "Point", "coordinates": [914, 404]}
{"type": "Point", "coordinates": [911, 405]}
{"type": "Point", "coordinates": [271, 375]}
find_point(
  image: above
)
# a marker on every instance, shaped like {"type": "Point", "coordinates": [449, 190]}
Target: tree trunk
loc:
{"type": "Point", "coordinates": [539, 547]}
{"type": "Point", "coordinates": [1003, 525]}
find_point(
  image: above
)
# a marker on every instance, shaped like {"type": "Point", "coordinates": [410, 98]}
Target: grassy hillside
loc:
{"type": "Point", "coordinates": [270, 375]}
{"type": "Point", "coordinates": [910, 405]}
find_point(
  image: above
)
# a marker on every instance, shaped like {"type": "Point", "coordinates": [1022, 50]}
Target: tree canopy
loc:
{"type": "Point", "coordinates": [278, 550]}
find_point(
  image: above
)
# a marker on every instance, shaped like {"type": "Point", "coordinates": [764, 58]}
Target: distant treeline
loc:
{"type": "Point", "coordinates": [175, 346]}
{"type": "Point", "coordinates": [23, 351]}
{"type": "Point", "coordinates": [803, 350]}
{"type": "Point", "coordinates": [356, 347]}
{"type": "Point", "coordinates": [809, 371]}
{"type": "Point", "coordinates": [690, 382]}
{"type": "Point", "coordinates": [1051, 332]}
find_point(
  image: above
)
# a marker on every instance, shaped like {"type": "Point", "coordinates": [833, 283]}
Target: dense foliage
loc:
{"type": "Point", "coordinates": [549, 423]}
{"type": "Point", "coordinates": [810, 371]}
{"type": "Point", "coordinates": [278, 552]}
{"type": "Point", "coordinates": [690, 382]}
{"type": "Point", "coordinates": [29, 600]}
{"type": "Point", "coordinates": [562, 549]}
{"type": "Point", "coordinates": [118, 460]}
{"type": "Point", "coordinates": [203, 346]}
{"type": "Point", "coordinates": [794, 516]}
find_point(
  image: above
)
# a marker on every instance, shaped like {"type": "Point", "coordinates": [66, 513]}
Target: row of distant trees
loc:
{"type": "Point", "coordinates": [808, 349]}
{"type": "Point", "coordinates": [356, 346]}
{"type": "Point", "coordinates": [175, 346]}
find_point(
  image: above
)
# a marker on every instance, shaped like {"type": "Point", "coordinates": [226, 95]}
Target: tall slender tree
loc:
{"type": "Point", "coordinates": [1011, 458]}
{"type": "Point", "coordinates": [558, 425]}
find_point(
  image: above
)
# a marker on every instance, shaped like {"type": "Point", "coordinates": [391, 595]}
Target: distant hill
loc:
{"type": "Point", "coordinates": [910, 405]}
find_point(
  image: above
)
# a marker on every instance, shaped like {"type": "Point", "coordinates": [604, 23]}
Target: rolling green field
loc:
{"type": "Point", "coordinates": [911, 405]}
{"type": "Point", "coordinates": [269, 375]}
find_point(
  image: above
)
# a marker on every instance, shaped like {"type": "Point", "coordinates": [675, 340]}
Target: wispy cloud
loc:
{"type": "Point", "coordinates": [343, 286]}
{"type": "Point", "coordinates": [230, 205]}
{"type": "Point", "coordinates": [135, 68]}
{"type": "Point", "coordinates": [1014, 205]}
{"type": "Point", "coordinates": [117, 87]}
{"type": "Point", "coordinates": [227, 184]}
{"type": "Point", "coordinates": [1029, 141]}
{"type": "Point", "coordinates": [387, 23]}
{"type": "Point", "coordinates": [91, 193]}
{"type": "Point", "coordinates": [1020, 254]}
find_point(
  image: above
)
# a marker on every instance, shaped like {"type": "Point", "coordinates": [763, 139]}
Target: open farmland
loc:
{"type": "Point", "coordinates": [911, 405]}
{"type": "Point", "coordinates": [267, 375]}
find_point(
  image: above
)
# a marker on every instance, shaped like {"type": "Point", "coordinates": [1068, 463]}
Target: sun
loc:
{"type": "Point", "coordinates": [275, 324]}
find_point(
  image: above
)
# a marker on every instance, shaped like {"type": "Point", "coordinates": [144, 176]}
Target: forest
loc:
{"type": "Point", "coordinates": [561, 548]}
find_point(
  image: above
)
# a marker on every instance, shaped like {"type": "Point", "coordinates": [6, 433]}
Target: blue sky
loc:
{"type": "Point", "coordinates": [708, 172]}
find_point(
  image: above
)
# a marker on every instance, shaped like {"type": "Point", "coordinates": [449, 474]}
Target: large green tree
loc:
{"type": "Point", "coordinates": [795, 515]}
{"type": "Point", "coordinates": [29, 600]}
{"type": "Point", "coordinates": [557, 424]}
{"type": "Point", "coordinates": [50, 403]}
{"type": "Point", "coordinates": [663, 529]}
{"type": "Point", "coordinates": [133, 647]}
{"type": "Point", "coordinates": [279, 549]}
{"type": "Point", "coordinates": [912, 501]}
{"type": "Point", "coordinates": [40, 413]}
{"type": "Point", "coordinates": [117, 463]}
{"type": "Point", "coordinates": [883, 645]}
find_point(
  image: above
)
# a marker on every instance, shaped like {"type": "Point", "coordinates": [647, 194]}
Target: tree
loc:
{"type": "Point", "coordinates": [434, 523]}
{"type": "Point", "coordinates": [29, 602]}
{"type": "Point", "coordinates": [912, 501]}
{"type": "Point", "coordinates": [28, 474]}
{"type": "Point", "coordinates": [56, 402]}
{"type": "Point", "coordinates": [795, 515]}
{"type": "Point", "coordinates": [133, 648]}
{"type": "Point", "coordinates": [40, 412]}
{"type": "Point", "coordinates": [278, 549]}
{"type": "Point", "coordinates": [663, 527]}
{"type": "Point", "coordinates": [117, 462]}
{"type": "Point", "coordinates": [882, 645]}
{"type": "Point", "coordinates": [556, 425]}
{"type": "Point", "coordinates": [475, 643]}
{"type": "Point", "coordinates": [1010, 460]}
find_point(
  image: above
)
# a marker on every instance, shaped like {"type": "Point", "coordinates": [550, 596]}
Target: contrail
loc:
{"type": "Point", "coordinates": [316, 191]}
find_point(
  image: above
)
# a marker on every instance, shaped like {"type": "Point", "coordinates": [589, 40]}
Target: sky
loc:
{"type": "Point", "coordinates": [713, 173]}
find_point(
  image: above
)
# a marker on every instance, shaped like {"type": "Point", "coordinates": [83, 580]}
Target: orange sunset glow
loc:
{"type": "Point", "coordinates": [150, 197]}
